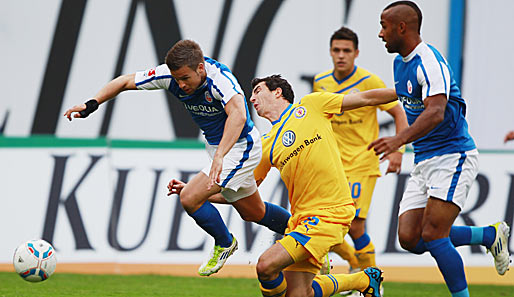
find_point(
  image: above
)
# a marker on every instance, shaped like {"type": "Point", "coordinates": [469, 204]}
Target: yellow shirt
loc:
{"type": "Point", "coordinates": [355, 129]}
{"type": "Point", "coordinates": [301, 144]}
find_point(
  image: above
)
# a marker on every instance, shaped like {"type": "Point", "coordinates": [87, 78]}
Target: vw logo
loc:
{"type": "Point", "coordinates": [288, 138]}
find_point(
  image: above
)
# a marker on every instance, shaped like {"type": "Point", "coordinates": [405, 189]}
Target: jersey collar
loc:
{"type": "Point", "coordinates": [344, 78]}
{"type": "Point", "coordinates": [414, 52]}
{"type": "Point", "coordinates": [282, 114]}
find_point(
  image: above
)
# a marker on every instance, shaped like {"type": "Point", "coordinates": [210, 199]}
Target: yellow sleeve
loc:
{"type": "Point", "coordinates": [264, 166]}
{"type": "Point", "coordinates": [387, 106]}
{"type": "Point", "coordinates": [327, 102]}
{"type": "Point", "coordinates": [262, 170]}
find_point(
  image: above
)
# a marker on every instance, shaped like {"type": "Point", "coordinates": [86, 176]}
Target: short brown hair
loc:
{"type": "Point", "coordinates": [184, 53]}
{"type": "Point", "coordinates": [276, 81]}
{"type": "Point", "coordinates": [345, 33]}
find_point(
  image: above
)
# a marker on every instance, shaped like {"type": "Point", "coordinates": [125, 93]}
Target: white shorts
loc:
{"type": "Point", "coordinates": [448, 177]}
{"type": "Point", "coordinates": [236, 179]}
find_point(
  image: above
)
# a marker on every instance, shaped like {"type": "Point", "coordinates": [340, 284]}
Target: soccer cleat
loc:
{"type": "Point", "coordinates": [326, 266]}
{"type": "Point", "coordinates": [218, 257]}
{"type": "Point", "coordinates": [499, 248]}
{"type": "Point", "coordinates": [375, 279]}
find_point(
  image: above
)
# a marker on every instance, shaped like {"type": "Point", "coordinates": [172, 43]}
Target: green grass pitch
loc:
{"type": "Point", "coordinates": [62, 284]}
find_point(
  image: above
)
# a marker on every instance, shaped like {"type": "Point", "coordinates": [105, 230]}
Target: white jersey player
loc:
{"type": "Point", "coordinates": [445, 155]}
{"type": "Point", "coordinates": [213, 97]}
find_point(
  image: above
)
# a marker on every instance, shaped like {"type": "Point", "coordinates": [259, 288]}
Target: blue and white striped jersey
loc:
{"type": "Point", "coordinates": [207, 104]}
{"type": "Point", "coordinates": [423, 73]}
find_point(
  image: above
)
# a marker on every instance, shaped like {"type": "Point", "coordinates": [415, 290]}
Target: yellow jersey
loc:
{"type": "Point", "coordinates": [355, 129]}
{"type": "Point", "coordinates": [302, 146]}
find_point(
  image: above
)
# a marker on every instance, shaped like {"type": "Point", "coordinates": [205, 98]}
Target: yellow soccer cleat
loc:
{"type": "Point", "coordinates": [218, 257]}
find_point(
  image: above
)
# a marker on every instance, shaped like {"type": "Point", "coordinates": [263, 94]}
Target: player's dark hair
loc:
{"type": "Point", "coordinates": [184, 53]}
{"type": "Point", "coordinates": [276, 81]}
{"type": "Point", "coordinates": [413, 6]}
{"type": "Point", "coordinates": [345, 33]}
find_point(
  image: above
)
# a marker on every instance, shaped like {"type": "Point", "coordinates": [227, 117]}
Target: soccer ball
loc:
{"type": "Point", "coordinates": [35, 260]}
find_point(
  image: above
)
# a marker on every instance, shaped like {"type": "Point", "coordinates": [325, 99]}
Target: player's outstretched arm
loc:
{"type": "Point", "coordinates": [367, 98]}
{"type": "Point", "coordinates": [109, 91]}
{"type": "Point", "coordinates": [425, 122]}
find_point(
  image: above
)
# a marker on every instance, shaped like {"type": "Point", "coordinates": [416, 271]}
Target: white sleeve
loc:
{"type": "Point", "coordinates": [154, 78]}
{"type": "Point", "coordinates": [434, 78]}
{"type": "Point", "coordinates": [225, 86]}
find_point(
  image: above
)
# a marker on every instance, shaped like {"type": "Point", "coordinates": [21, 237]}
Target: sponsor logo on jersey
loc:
{"type": "Point", "coordinates": [298, 149]}
{"type": "Point", "coordinates": [411, 103]}
{"type": "Point", "coordinates": [409, 87]}
{"type": "Point", "coordinates": [288, 138]}
{"type": "Point", "coordinates": [300, 112]}
{"type": "Point", "coordinates": [202, 109]}
{"type": "Point", "coordinates": [208, 97]}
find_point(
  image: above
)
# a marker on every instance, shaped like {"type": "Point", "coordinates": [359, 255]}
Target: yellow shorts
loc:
{"type": "Point", "coordinates": [361, 188]}
{"type": "Point", "coordinates": [309, 237]}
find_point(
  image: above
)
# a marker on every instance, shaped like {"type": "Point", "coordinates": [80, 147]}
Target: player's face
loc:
{"type": "Point", "coordinates": [343, 55]}
{"type": "Point", "coordinates": [261, 97]}
{"type": "Point", "coordinates": [388, 33]}
{"type": "Point", "coordinates": [189, 79]}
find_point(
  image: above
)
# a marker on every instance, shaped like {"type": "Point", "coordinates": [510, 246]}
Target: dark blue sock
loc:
{"type": "Point", "coordinates": [361, 242]}
{"type": "Point", "coordinates": [318, 292]}
{"type": "Point", "coordinates": [209, 219]}
{"type": "Point", "coordinates": [420, 247]}
{"type": "Point", "coordinates": [467, 235]}
{"type": "Point", "coordinates": [272, 284]}
{"type": "Point", "coordinates": [450, 264]}
{"type": "Point", "coordinates": [275, 218]}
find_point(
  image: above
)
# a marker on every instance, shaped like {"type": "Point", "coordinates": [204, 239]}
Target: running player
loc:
{"type": "Point", "coordinates": [445, 156]}
{"type": "Point", "coordinates": [354, 131]}
{"type": "Point", "coordinates": [213, 97]}
{"type": "Point", "coordinates": [302, 146]}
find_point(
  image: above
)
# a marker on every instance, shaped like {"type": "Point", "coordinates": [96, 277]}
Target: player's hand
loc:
{"type": "Point", "coordinates": [75, 111]}
{"type": "Point", "coordinates": [175, 186]}
{"type": "Point", "coordinates": [509, 136]}
{"type": "Point", "coordinates": [82, 110]}
{"type": "Point", "coordinates": [214, 174]}
{"type": "Point", "coordinates": [395, 162]}
{"type": "Point", "coordinates": [385, 146]}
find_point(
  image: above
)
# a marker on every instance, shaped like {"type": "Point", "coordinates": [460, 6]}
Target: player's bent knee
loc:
{"type": "Point", "coordinates": [188, 202]}
{"type": "Point", "coordinates": [408, 241]}
{"type": "Point", "coordinates": [265, 269]}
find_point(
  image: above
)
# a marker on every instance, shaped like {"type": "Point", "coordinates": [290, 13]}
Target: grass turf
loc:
{"type": "Point", "coordinates": [62, 284]}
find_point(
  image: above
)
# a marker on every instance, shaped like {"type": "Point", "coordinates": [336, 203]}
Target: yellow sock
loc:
{"type": "Point", "coordinates": [347, 252]}
{"type": "Point", "coordinates": [275, 288]}
{"type": "Point", "coordinates": [331, 284]}
{"type": "Point", "coordinates": [366, 256]}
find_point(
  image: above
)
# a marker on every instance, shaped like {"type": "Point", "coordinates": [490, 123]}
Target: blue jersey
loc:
{"type": "Point", "coordinates": [423, 73]}
{"type": "Point", "coordinates": [207, 104]}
